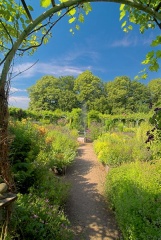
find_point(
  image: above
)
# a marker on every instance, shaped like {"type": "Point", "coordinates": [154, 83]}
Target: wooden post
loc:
{"type": "Point", "coordinates": [5, 213]}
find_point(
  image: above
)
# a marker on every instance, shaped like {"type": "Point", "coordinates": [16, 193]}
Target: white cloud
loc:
{"type": "Point", "coordinates": [82, 53]}
{"type": "Point", "coordinates": [19, 101]}
{"type": "Point", "coordinates": [66, 64]}
{"type": "Point", "coordinates": [14, 90]}
{"type": "Point", "coordinates": [51, 68]}
{"type": "Point", "coordinates": [125, 42]}
{"type": "Point", "coordinates": [129, 41]}
{"type": "Point", "coordinates": [58, 70]}
{"type": "Point", "coordinates": [24, 70]}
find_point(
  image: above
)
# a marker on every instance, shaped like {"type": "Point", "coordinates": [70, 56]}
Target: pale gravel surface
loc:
{"type": "Point", "coordinates": [86, 208]}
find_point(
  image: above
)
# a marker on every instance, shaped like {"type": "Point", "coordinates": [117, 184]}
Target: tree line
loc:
{"type": "Point", "coordinates": [89, 92]}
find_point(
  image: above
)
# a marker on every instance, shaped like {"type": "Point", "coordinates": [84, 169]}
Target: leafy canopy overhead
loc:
{"type": "Point", "coordinates": [20, 31]}
{"type": "Point", "coordinates": [131, 16]}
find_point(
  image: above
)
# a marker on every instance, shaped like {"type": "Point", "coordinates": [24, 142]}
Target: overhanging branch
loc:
{"type": "Point", "coordinates": [26, 10]}
{"type": "Point", "coordinates": [6, 32]}
{"type": "Point", "coordinates": [53, 3]}
{"type": "Point", "coordinates": [158, 7]}
{"type": "Point", "coordinates": [71, 3]}
{"type": "Point", "coordinates": [47, 32]}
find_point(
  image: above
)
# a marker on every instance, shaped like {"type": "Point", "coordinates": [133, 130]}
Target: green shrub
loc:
{"type": "Point", "coordinates": [34, 150]}
{"type": "Point", "coordinates": [24, 148]}
{"type": "Point", "coordinates": [36, 217]}
{"type": "Point", "coordinates": [140, 150]}
{"type": "Point", "coordinates": [116, 148]}
{"type": "Point", "coordinates": [135, 195]}
{"type": "Point", "coordinates": [95, 130]}
{"type": "Point", "coordinates": [113, 149]}
{"type": "Point", "coordinates": [63, 147]}
{"type": "Point", "coordinates": [109, 124]}
{"type": "Point", "coordinates": [93, 116]}
{"type": "Point", "coordinates": [34, 145]}
{"type": "Point", "coordinates": [75, 119]}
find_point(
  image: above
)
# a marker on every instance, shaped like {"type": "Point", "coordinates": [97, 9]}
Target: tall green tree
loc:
{"type": "Point", "coordinates": [67, 97]}
{"type": "Point", "coordinates": [21, 32]}
{"type": "Point", "coordinates": [50, 93]}
{"type": "Point", "coordinates": [66, 83]}
{"type": "Point", "coordinates": [89, 89]}
{"type": "Point", "coordinates": [155, 91]}
{"type": "Point", "coordinates": [118, 92]}
{"type": "Point", "coordinates": [138, 97]}
{"type": "Point", "coordinates": [100, 104]}
{"type": "Point", "coordinates": [126, 95]}
{"type": "Point", "coordinates": [44, 94]}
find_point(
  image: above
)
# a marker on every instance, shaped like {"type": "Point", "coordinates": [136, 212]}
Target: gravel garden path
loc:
{"type": "Point", "coordinates": [86, 208]}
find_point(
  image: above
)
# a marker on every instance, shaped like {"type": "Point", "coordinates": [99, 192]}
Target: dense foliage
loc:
{"type": "Point", "coordinates": [134, 190]}
{"type": "Point", "coordinates": [132, 184]}
{"type": "Point", "coordinates": [37, 157]}
{"type": "Point", "coordinates": [88, 92]}
{"type": "Point", "coordinates": [125, 145]}
{"type": "Point", "coordinates": [20, 33]}
{"type": "Point", "coordinates": [133, 179]}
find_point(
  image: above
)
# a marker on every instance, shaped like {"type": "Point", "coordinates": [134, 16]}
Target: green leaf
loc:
{"type": "Point", "coordinates": [30, 8]}
{"type": "Point", "coordinates": [122, 7]}
{"type": "Point", "coordinates": [81, 18]}
{"type": "Point", "coordinates": [45, 3]}
{"type": "Point", "coordinates": [123, 24]}
{"type": "Point", "coordinates": [122, 14]}
{"type": "Point", "coordinates": [21, 19]}
{"type": "Point", "coordinates": [72, 20]}
{"type": "Point", "coordinates": [59, 13]}
{"type": "Point", "coordinates": [142, 29]}
{"type": "Point", "coordinates": [130, 27]}
{"type": "Point", "coordinates": [154, 66]}
{"type": "Point", "coordinates": [156, 42]}
{"type": "Point", "coordinates": [87, 8]}
{"type": "Point", "coordinates": [144, 76]}
{"type": "Point", "coordinates": [146, 61]}
{"type": "Point", "coordinates": [27, 21]}
{"type": "Point", "coordinates": [63, 1]}
{"type": "Point", "coordinates": [125, 30]}
{"type": "Point", "coordinates": [150, 54]}
{"type": "Point", "coordinates": [77, 27]}
{"type": "Point", "coordinates": [158, 54]}
{"type": "Point", "coordinates": [45, 40]}
{"type": "Point", "coordinates": [23, 25]}
{"type": "Point", "coordinates": [72, 11]}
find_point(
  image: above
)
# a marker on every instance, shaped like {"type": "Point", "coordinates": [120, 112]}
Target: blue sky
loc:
{"type": "Point", "coordinates": [99, 46]}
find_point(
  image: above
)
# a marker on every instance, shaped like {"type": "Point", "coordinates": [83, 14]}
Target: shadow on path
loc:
{"type": "Point", "coordinates": [86, 209]}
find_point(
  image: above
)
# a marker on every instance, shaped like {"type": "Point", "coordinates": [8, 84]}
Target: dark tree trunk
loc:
{"type": "Point", "coordinates": [5, 169]}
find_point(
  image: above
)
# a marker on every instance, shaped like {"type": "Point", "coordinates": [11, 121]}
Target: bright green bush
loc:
{"type": "Point", "coordinates": [140, 150]}
{"type": "Point", "coordinates": [135, 193]}
{"type": "Point", "coordinates": [75, 119]}
{"type": "Point", "coordinates": [113, 149]}
{"type": "Point", "coordinates": [116, 148]}
{"type": "Point", "coordinates": [62, 147]}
